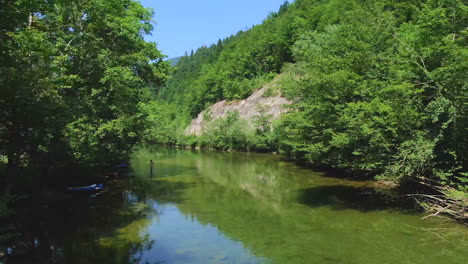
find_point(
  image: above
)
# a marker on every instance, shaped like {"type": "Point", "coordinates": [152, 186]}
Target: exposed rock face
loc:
{"type": "Point", "coordinates": [248, 109]}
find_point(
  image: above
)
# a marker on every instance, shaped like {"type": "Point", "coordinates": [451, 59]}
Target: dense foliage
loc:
{"type": "Point", "coordinates": [382, 90]}
{"type": "Point", "coordinates": [230, 133]}
{"type": "Point", "coordinates": [379, 86]}
{"type": "Point", "coordinates": [73, 75]}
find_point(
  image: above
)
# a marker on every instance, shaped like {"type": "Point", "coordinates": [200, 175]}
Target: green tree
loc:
{"type": "Point", "coordinates": [72, 75]}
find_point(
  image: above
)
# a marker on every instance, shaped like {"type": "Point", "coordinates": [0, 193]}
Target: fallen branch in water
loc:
{"type": "Point", "coordinates": [438, 212]}
{"type": "Point", "coordinates": [446, 201]}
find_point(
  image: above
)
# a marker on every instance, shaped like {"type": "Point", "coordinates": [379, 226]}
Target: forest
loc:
{"type": "Point", "coordinates": [74, 78]}
{"type": "Point", "coordinates": [379, 89]}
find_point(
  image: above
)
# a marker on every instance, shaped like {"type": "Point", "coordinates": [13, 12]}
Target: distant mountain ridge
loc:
{"type": "Point", "coordinates": [174, 61]}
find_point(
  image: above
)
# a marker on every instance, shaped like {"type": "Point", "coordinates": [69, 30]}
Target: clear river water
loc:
{"type": "Point", "coordinates": [238, 208]}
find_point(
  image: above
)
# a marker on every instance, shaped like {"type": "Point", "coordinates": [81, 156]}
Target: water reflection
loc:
{"type": "Point", "coordinates": [290, 215]}
{"type": "Point", "coordinates": [364, 199]}
{"type": "Point", "coordinates": [208, 207]}
{"type": "Point", "coordinates": [104, 229]}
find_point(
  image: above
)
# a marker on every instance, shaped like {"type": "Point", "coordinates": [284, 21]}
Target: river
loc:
{"type": "Point", "coordinates": [237, 208]}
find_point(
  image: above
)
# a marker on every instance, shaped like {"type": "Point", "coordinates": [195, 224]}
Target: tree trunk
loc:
{"type": "Point", "coordinates": [11, 173]}
{"type": "Point", "coordinates": [13, 156]}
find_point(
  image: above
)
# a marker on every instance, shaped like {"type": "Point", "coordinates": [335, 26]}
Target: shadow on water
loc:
{"type": "Point", "coordinates": [208, 207]}
{"type": "Point", "coordinates": [364, 199]}
{"type": "Point", "coordinates": [102, 229]}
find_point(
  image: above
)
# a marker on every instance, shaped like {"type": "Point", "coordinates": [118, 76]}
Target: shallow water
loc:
{"type": "Point", "coordinates": [235, 208]}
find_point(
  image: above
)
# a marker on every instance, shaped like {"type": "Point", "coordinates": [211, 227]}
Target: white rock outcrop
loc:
{"type": "Point", "coordinates": [248, 109]}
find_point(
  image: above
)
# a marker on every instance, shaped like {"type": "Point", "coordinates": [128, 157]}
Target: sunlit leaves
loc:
{"type": "Point", "coordinates": [77, 72]}
{"type": "Point", "coordinates": [379, 94]}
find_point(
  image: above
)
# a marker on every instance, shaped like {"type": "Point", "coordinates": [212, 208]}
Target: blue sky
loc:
{"type": "Point", "coordinates": [183, 25]}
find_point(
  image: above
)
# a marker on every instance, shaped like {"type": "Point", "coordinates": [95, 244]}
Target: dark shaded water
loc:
{"type": "Point", "coordinates": [208, 207]}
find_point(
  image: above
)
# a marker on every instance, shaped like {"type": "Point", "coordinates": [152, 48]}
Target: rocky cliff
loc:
{"type": "Point", "coordinates": [255, 105]}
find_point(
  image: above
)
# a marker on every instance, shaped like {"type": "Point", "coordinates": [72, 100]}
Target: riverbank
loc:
{"type": "Point", "coordinates": [436, 200]}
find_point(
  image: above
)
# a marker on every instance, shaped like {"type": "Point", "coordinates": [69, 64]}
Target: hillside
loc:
{"type": "Point", "coordinates": [173, 61]}
{"type": "Point", "coordinates": [257, 105]}
{"type": "Point", "coordinates": [379, 89]}
{"type": "Point", "coordinates": [365, 101]}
